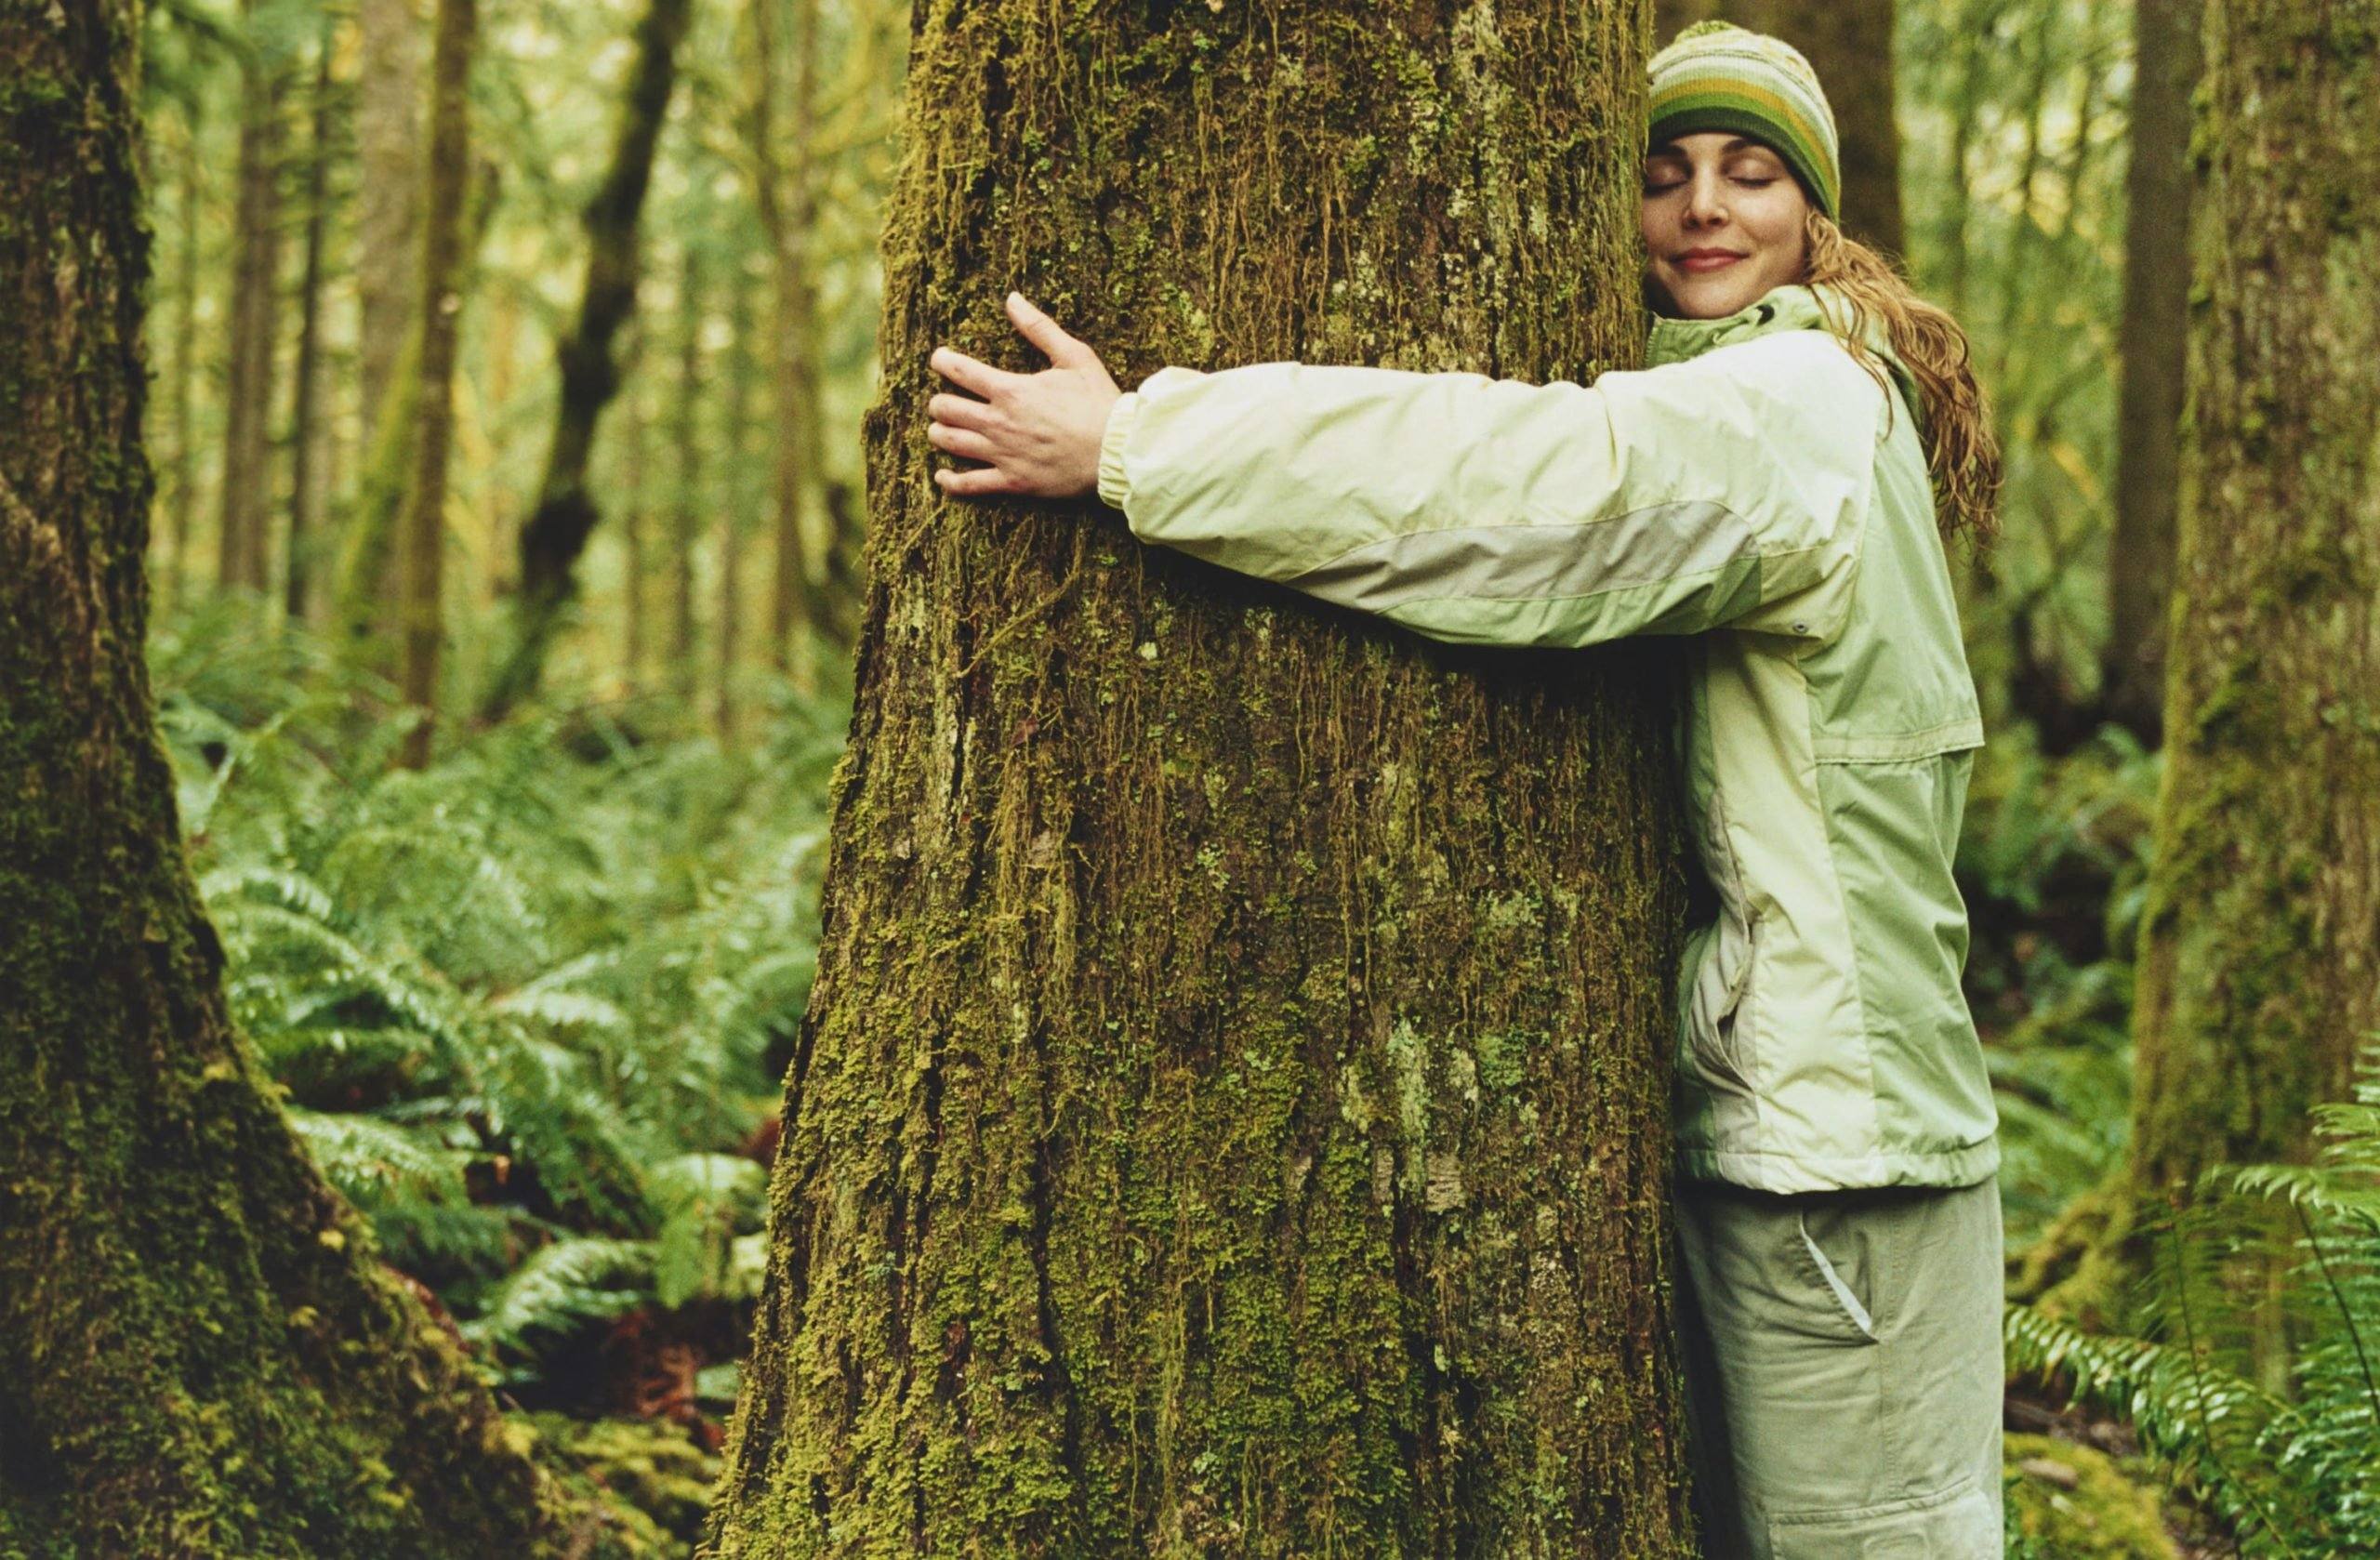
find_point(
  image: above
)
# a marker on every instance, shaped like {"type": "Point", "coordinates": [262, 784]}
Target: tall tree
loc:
{"type": "Point", "coordinates": [199, 1353]}
{"type": "Point", "coordinates": [565, 515]}
{"type": "Point", "coordinates": [2259, 970]}
{"type": "Point", "coordinates": [305, 482]}
{"type": "Point", "coordinates": [243, 555]}
{"type": "Point", "coordinates": [2153, 338]}
{"type": "Point", "coordinates": [785, 189]}
{"type": "Point", "coordinates": [727, 636]}
{"type": "Point", "coordinates": [1849, 44]}
{"type": "Point", "coordinates": [388, 191]}
{"type": "Point", "coordinates": [182, 485]}
{"type": "Point", "coordinates": [687, 503]}
{"type": "Point", "coordinates": [1231, 1117]}
{"type": "Point", "coordinates": [423, 528]}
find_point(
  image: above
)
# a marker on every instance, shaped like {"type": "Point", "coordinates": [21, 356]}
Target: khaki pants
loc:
{"type": "Point", "coordinates": [1843, 1371]}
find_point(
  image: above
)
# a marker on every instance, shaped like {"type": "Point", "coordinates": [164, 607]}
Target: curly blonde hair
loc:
{"type": "Point", "coordinates": [1954, 419]}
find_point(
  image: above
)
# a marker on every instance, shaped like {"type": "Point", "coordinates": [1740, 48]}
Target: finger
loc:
{"type": "Point", "coordinates": [960, 411]}
{"type": "Point", "coordinates": [980, 482]}
{"type": "Point", "coordinates": [1062, 349]}
{"type": "Point", "coordinates": [961, 441]}
{"type": "Point", "coordinates": [967, 373]}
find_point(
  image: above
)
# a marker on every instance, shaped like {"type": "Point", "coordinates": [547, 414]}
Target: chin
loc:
{"type": "Point", "coordinates": [1714, 299]}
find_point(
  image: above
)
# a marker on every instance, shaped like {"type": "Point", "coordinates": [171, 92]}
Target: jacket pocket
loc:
{"type": "Point", "coordinates": [1723, 995]}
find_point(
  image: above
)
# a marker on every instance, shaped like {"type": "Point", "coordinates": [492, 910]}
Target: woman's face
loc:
{"type": "Point", "coordinates": [1723, 220]}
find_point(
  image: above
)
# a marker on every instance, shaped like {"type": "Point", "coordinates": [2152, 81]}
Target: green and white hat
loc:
{"type": "Point", "coordinates": [1718, 77]}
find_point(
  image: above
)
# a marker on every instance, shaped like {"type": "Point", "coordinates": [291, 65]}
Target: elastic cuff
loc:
{"type": "Point", "coordinates": [1113, 488]}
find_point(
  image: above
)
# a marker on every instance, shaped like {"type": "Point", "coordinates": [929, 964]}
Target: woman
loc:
{"type": "Point", "coordinates": [1786, 475]}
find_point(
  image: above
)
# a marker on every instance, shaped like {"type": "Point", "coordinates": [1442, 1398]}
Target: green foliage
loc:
{"type": "Point", "coordinates": [2073, 1502]}
{"type": "Point", "coordinates": [2271, 1263]}
{"type": "Point", "coordinates": [527, 1006]}
{"type": "Point", "coordinates": [2051, 863]}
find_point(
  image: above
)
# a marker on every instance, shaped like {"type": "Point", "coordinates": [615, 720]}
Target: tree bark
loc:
{"type": "Point", "coordinates": [735, 444]}
{"type": "Point", "coordinates": [199, 1354]}
{"type": "Point", "coordinates": [388, 231]}
{"type": "Point", "coordinates": [182, 508]}
{"type": "Point", "coordinates": [243, 560]}
{"type": "Point", "coordinates": [305, 499]}
{"type": "Point", "coordinates": [2153, 338]}
{"type": "Point", "coordinates": [1232, 1114]}
{"type": "Point", "coordinates": [556, 532]}
{"type": "Point", "coordinates": [784, 183]}
{"type": "Point", "coordinates": [687, 503]}
{"type": "Point", "coordinates": [1849, 44]}
{"type": "Point", "coordinates": [2259, 970]}
{"type": "Point", "coordinates": [423, 527]}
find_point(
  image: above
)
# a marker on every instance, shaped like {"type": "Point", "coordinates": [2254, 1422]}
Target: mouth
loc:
{"type": "Point", "coordinates": [1700, 262]}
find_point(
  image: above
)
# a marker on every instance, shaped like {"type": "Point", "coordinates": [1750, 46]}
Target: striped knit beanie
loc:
{"type": "Point", "coordinates": [1718, 77]}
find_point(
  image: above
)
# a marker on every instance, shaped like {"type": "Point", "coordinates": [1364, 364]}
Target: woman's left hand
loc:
{"type": "Point", "coordinates": [1037, 433]}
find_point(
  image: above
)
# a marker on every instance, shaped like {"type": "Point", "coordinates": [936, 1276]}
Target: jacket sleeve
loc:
{"type": "Point", "coordinates": [1730, 489]}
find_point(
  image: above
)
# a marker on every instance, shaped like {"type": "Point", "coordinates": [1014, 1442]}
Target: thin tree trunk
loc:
{"type": "Point", "coordinates": [424, 524]}
{"type": "Point", "coordinates": [387, 226]}
{"type": "Point", "coordinates": [200, 1355]}
{"type": "Point", "coordinates": [243, 557]}
{"type": "Point", "coordinates": [305, 503]}
{"type": "Point", "coordinates": [1231, 1115]}
{"type": "Point", "coordinates": [735, 441]}
{"type": "Point", "coordinates": [785, 187]}
{"type": "Point", "coordinates": [556, 532]}
{"type": "Point", "coordinates": [634, 494]}
{"type": "Point", "coordinates": [2259, 971]}
{"type": "Point", "coordinates": [686, 509]}
{"type": "Point", "coordinates": [183, 509]}
{"type": "Point", "coordinates": [2153, 338]}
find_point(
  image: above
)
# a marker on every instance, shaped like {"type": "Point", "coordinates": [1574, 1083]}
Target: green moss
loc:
{"type": "Point", "coordinates": [2073, 1502]}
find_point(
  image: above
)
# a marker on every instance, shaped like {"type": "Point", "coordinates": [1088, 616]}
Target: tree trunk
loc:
{"type": "Point", "coordinates": [1232, 1114]}
{"type": "Point", "coordinates": [304, 498]}
{"type": "Point", "coordinates": [785, 189]}
{"type": "Point", "coordinates": [242, 560]}
{"type": "Point", "coordinates": [199, 1353]}
{"type": "Point", "coordinates": [183, 507]}
{"type": "Point", "coordinates": [2154, 341]}
{"type": "Point", "coordinates": [633, 497]}
{"type": "Point", "coordinates": [2259, 971]}
{"type": "Point", "coordinates": [424, 512]}
{"type": "Point", "coordinates": [687, 503]}
{"type": "Point", "coordinates": [1849, 44]}
{"type": "Point", "coordinates": [735, 442]}
{"type": "Point", "coordinates": [556, 529]}
{"type": "Point", "coordinates": [388, 231]}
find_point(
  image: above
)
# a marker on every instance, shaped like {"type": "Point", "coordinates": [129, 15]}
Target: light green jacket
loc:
{"type": "Point", "coordinates": [1756, 483]}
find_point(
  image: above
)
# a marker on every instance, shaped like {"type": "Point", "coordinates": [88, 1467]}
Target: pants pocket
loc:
{"type": "Point", "coordinates": [1963, 1523]}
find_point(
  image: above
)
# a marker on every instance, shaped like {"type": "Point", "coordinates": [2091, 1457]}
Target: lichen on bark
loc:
{"type": "Point", "coordinates": [1232, 1114]}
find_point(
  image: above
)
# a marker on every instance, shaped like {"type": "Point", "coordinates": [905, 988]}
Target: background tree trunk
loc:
{"type": "Point", "coordinates": [424, 525]}
{"type": "Point", "coordinates": [243, 560]}
{"type": "Point", "coordinates": [736, 444]}
{"type": "Point", "coordinates": [2153, 337]}
{"type": "Point", "coordinates": [1231, 1115]}
{"type": "Point", "coordinates": [1849, 44]}
{"type": "Point", "coordinates": [2259, 970]}
{"type": "Point", "coordinates": [182, 507]}
{"type": "Point", "coordinates": [199, 1354]}
{"type": "Point", "coordinates": [388, 191]}
{"type": "Point", "coordinates": [556, 529]}
{"type": "Point", "coordinates": [686, 505]}
{"type": "Point", "coordinates": [305, 502]}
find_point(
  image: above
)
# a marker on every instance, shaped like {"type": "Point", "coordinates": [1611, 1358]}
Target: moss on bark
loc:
{"type": "Point", "coordinates": [198, 1353]}
{"type": "Point", "coordinates": [1232, 1114]}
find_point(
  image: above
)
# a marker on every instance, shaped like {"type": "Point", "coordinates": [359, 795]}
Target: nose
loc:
{"type": "Point", "coordinates": [1706, 201]}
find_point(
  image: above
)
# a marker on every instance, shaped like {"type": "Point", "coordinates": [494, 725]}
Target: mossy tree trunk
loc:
{"type": "Point", "coordinates": [242, 549]}
{"type": "Point", "coordinates": [1231, 1117]}
{"type": "Point", "coordinates": [199, 1354]}
{"type": "Point", "coordinates": [1849, 44]}
{"type": "Point", "coordinates": [2259, 970]}
{"type": "Point", "coordinates": [2154, 338]}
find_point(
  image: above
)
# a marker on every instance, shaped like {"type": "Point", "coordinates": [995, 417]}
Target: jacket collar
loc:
{"type": "Point", "coordinates": [1793, 307]}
